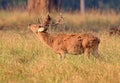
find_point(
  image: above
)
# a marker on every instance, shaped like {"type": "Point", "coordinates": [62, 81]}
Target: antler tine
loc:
{"type": "Point", "coordinates": [40, 20]}
{"type": "Point", "coordinates": [48, 18]}
{"type": "Point", "coordinates": [59, 20]}
{"type": "Point", "coordinates": [61, 16]}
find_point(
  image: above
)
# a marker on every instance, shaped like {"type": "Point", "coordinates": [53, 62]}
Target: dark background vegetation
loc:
{"type": "Point", "coordinates": [67, 4]}
{"type": "Point", "coordinates": [104, 10]}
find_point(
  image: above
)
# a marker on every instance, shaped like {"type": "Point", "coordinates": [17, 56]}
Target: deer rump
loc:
{"type": "Point", "coordinates": [74, 43]}
{"type": "Point", "coordinates": [114, 31]}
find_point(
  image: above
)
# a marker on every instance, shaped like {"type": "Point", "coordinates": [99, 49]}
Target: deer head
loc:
{"type": "Point", "coordinates": [41, 27]}
{"type": "Point", "coordinates": [44, 27]}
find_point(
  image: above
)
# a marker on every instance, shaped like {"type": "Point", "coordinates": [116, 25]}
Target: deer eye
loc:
{"type": "Point", "coordinates": [39, 26]}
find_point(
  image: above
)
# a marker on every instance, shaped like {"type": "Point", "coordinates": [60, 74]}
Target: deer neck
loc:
{"type": "Point", "coordinates": [45, 38]}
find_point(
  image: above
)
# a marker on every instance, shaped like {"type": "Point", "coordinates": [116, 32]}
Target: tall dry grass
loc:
{"type": "Point", "coordinates": [24, 59]}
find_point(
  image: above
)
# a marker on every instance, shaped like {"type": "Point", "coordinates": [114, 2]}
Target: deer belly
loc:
{"type": "Point", "coordinates": [75, 48]}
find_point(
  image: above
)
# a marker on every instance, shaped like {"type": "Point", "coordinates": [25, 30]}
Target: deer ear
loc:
{"type": "Point", "coordinates": [48, 17]}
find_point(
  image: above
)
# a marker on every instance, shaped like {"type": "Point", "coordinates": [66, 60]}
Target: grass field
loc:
{"type": "Point", "coordinates": [24, 59]}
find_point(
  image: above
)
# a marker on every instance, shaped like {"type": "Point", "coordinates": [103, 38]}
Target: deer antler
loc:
{"type": "Point", "coordinates": [46, 23]}
{"type": "Point", "coordinates": [59, 20]}
{"type": "Point", "coordinates": [48, 20]}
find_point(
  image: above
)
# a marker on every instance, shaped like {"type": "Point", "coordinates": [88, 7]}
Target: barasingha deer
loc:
{"type": "Point", "coordinates": [65, 43]}
{"type": "Point", "coordinates": [114, 31]}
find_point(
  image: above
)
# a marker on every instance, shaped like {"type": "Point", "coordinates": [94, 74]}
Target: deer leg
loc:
{"type": "Point", "coordinates": [95, 51]}
{"type": "Point", "coordinates": [62, 55]}
{"type": "Point", "coordinates": [87, 52]}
